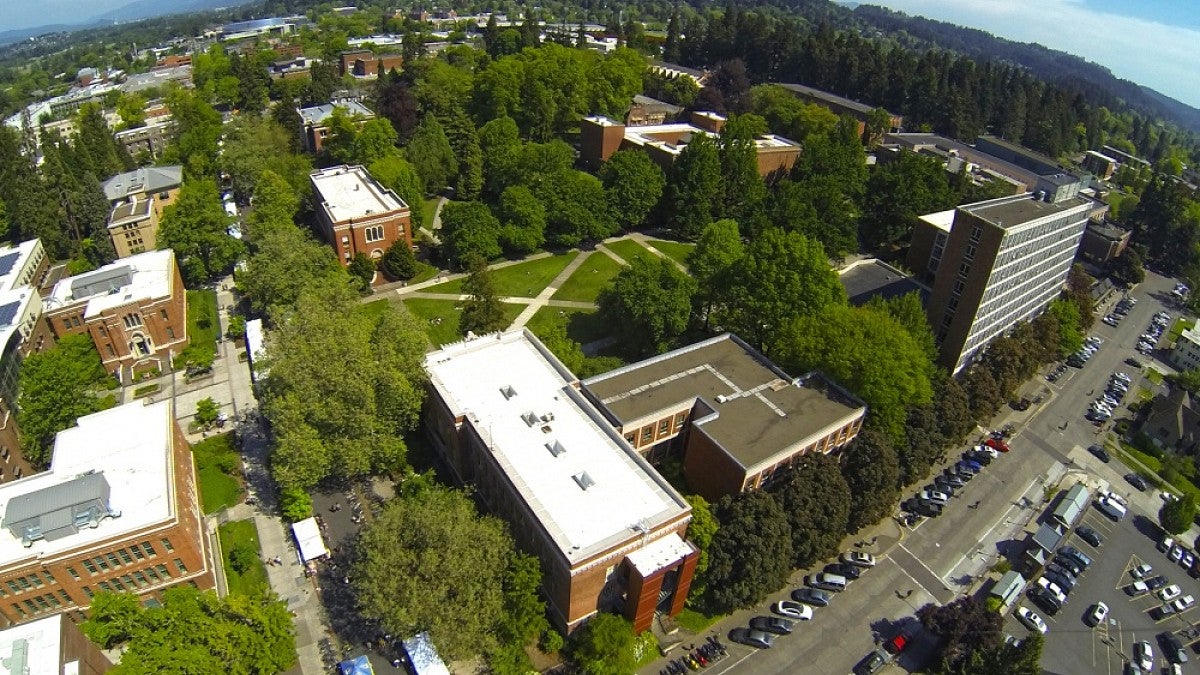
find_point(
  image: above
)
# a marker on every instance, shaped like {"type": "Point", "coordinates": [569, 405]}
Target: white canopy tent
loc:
{"type": "Point", "coordinates": [308, 538]}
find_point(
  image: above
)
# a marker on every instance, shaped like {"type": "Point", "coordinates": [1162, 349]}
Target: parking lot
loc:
{"type": "Point", "coordinates": [1072, 645]}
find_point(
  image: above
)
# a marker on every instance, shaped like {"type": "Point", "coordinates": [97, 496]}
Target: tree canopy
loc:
{"type": "Point", "coordinates": [751, 553]}
{"type": "Point", "coordinates": [816, 500]}
{"type": "Point", "coordinates": [196, 227]}
{"type": "Point", "coordinates": [56, 390]}
{"type": "Point", "coordinates": [648, 305]}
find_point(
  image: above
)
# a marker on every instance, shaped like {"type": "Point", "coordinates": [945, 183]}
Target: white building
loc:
{"type": "Point", "coordinates": [1186, 355]}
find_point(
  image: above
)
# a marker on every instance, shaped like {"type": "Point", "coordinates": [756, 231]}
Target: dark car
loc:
{"type": "Point", "coordinates": [811, 596]}
{"type": "Point", "coordinates": [1045, 600]}
{"type": "Point", "coordinates": [1156, 582]}
{"type": "Point", "coordinates": [1064, 581]}
{"type": "Point", "coordinates": [982, 458]}
{"type": "Point", "coordinates": [871, 663]}
{"type": "Point", "coordinates": [754, 638]}
{"type": "Point", "coordinates": [851, 572]}
{"type": "Point", "coordinates": [1079, 556]}
{"type": "Point", "coordinates": [1062, 571]}
{"type": "Point", "coordinates": [1172, 647]}
{"type": "Point", "coordinates": [952, 479]}
{"type": "Point", "coordinates": [1071, 564]}
{"type": "Point", "coordinates": [1133, 362]}
{"type": "Point", "coordinates": [1100, 453]}
{"type": "Point", "coordinates": [1089, 535]}
{"type": "Point", "coordinates": [1137, 481]}
{"type": "Point", "coordinates": [940, 484]}
{"type": "Point", "coordinates": [772, 624]}
{"type": "Point", "coordinates": [928, 509]}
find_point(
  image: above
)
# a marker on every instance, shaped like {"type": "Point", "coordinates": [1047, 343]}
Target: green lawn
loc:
{"type": "Point", "coordinates": [446, 330]}
{"type": "Point", "coordinates": [203, 327]}
{"type": "Point", "coordinates": [374, 308]}
{"type": "Point", "coordinates": [674, 249]}
{"type": "Point", "coordinates": [1178, 327]}
{"type": "Point", "coordinates": [241, 535]}
{"type": "Point", "coordinates": [219, 468]}
{"type": "Point", "coordinates": [583, 325]}
{"type": "Point", "coordinates": [430, 209]}
{"type": "Point", "coordinates": [523, 280]}
{"type": "Point", "coordinates": [1154, 375]}
{"type": "Point", "coordinates": [591, 277]}
{"type": "Point", "coordinates": [630, 250]}
{"type": "Point", "coordinates": [425, 272]}
{"type": "Point", "coordinates": [695, 621]}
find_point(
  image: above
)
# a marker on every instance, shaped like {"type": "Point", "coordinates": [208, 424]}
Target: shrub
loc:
{"type": "Point", "coordinates": [399, 261]}
{"type": "Point", "coordinates": [1002, 566]}
{"type": "Point", "coordinates": [551, 641]}
{"type": "Point", "coordinates": [242, 558]}
{"type": "Point", "coordinates": [237, 327]}
{"type": "Point", "coordinates": [295, 504]}
{"type": "Point", "coordinates": [228, 464]}
{"type": "Point", "coordinates": [206, 411]}
{"type": "Point", "coordinates": [993, 604]}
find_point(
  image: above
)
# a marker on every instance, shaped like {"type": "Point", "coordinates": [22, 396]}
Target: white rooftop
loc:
{"type": "Point", "coordinates": [33, 648]}
{"type": "Point", "coordinates": [317, 114]}
{"type": "Point", "coordinates": [130, 446]}
{"type": "Point", "coordinates": [659, 554]}
{"type": "Point", "coordinates": [942, 220]}
{"type": "Point", "coordinates": [588, 488]}
{"type": "Point", "coordinates": [140, 277]}
{"type": "Point", "coordinates": [13, 260]}
{"type": "Point", "coordinates": [308, 537]}
{"type": "Point", "coordinates": [349, 192]}
{"type": "Point", "coordinates": [646, 135]}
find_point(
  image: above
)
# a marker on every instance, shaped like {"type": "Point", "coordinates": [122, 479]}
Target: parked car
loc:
{"type": "Point", "coordinates": [1141, 571]}
{"type": "Point", "coordinates": [1179, 605]}
{"type": "Point", "coordinates": [1172, 647]}
{"type": "Point", "coordinates": [951, 479]}
{"type": "Point", "coordinates": [998, 444]}
{"type": "Point", "coordinates": [811, 596]}
{"type": "Point", "coordinates": [1060, 570]}
{"type": "Point", "coordinates": [1188, 559]}
{"type": "Point", "coordinates": [871, 663]}
{"type": "Point", "coordinates": [851, 572]}
{"type": "Point", "coordinates": [1053, 588]}
{"type": "Point", "coordinates": [1031, 619]}
{"type": "Point", "coordinates": [897, 644]}
{"type": "Point", "coordinates": [1176, 553]}
{"type": "Point", "coordinates": [1076, 554]}
{"type": "Point", "coordinates": [859, 558]}
{"type": "Point", "coordinates": [793, 610]}
{"type": "Point", "coordinates": [1112, 508]}
{"type": "Point", "coordinates": [1136, 481]}
{"type": "Point", "coordinates": [1165, 544]}
{"type": "Point", "coordinates": [1063, 581]}
{"type": "Point", "coordinates": [754, 638]}
{"type": "Point", "coordinates": [826, 581]}
{"type": "Point", "coordinates": [1100, 453]}
{"type": "Point", "coordinates": [1156, 582]}
{"type": "Point", "coordinates": [1143, 656]}
{"type": "Point", "coordinates": [1133, 362]}
{"type": "Point", "coordinates": [1098, 614]}
{"type": "Point", "coordinates": [1089, 535]}
{"type": "Point", "coordinates": [1044, 599]}
{"type": "Point", "coordinates": [772, 624]}
{"type": "Point", "coordinates": [1071, 564]}
{"type": "Point", "coordinates": [1170, 593]}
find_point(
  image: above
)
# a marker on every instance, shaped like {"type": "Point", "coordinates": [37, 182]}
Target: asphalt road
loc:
{"type": "Point", "coordinates": [942, 557]}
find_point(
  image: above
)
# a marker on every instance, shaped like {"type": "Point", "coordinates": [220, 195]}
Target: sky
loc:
{"type": "Point", "coordinates": [27, 13]}
{"type": "Point", "coordinates": [1155, 43]}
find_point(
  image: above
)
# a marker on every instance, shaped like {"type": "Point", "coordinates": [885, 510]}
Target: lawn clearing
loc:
{"type": "Point", "coordinates": [242, 557]}
{"type": "Point", "coordinates": [219, 468]}
{"type": "Point", "coordinates": [630, 250]}
{"type": "Point", "coordinates": [203, 326]}
{"type": "Point", "coordinates": [440, 317]}
{"type": "Point", "coordinates": [676, 250]}
{"type": "Point", "coordinates": [430, 209]}
{"type": "Point", "coordinates": [583, 325]}
{"type": "Point", "coordinates": [592, 276]}
{"type": "Point", "coordinates": [1154, 375]}
{"type": "Point", "coordinates": [522, 280]}
{"type": "Point", "coordinates": [696, 622]}
{"type": "Point", "coordinates": [1181, 324]}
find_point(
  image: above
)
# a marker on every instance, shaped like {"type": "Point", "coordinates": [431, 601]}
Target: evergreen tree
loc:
{"type": "Point", "coordinates": [743, 188]}
{"type": "Point", "coordinates": [482, 312]}
{"type": "Point", "coordinates": [694, 187]}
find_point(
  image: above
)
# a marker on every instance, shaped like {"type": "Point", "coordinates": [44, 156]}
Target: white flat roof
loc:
{"type": "Point", "coordinates": [130, 446]}
{"type": "Point", "coordinates": [140, 277]}
{"type": "Point", "coordinates": [587, 487]}
{"type": "Point", "coordinates": [33, 648]}
{"type": "Point", "coordinates": [942, 220]}
{"type": "Point", "coordinates": [350, 192]}
{"type": "Point", "coordinates": [662, 553]}
{"type": "Point", "coordinates": [13, 260]}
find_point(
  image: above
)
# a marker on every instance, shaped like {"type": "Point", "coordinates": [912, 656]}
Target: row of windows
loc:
{"type": "Point", "coordinates": [42, 603]}
{"type": "Point", "coordinates": [22, 584]}
{"type": "Point", "coordinates": [373, 233]}
{"type": "Point", "coordinates": [131, 582]}
{"type": "Point", "coordinates": [827, 444]}
{"type": "Point", "coordinates": [74, 321]}
{"type": "Point", "coordinates": [120, 557]}
{"type": "Point", "coordinates": [132, 320]}
{"type": "Point", "coordinates": [664, 427]}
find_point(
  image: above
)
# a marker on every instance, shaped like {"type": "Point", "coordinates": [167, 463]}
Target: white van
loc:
{"type": "Point", "coordinates": [826, 581]}
{"type": "Point", "coordinates": [1112, 507]}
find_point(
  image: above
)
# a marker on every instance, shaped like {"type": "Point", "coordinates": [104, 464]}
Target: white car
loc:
{"type": "Point", "coordinates": [1053, 588]}
{"type": "Point", "coordinates": [1113, 497]}
{"type": "Point", "coordinates": [1031, 620]}
{"type": "Point", "coordinates": [1143, 656]}
{"type": "Point", "coordinates": [1170, 593]}
{"type": "Point", "coordinates": [1141, 571]}
{"type": "Point", "coordinates": [1182, 604]}
{"type": "Point", "coordinates": [1187, 559]}
{"type": "Point", "coordinates": [1166, 544]}
{"type": "Point", "coordinates": [1176, 553]}
{"type": "Point", "coordinates": [793, 610]}
{"type": "Point", "coordinates": [1137, 588]}
{"type": "Point", "coordinates": [988, 450]}
{"type": "Point", "coordinates": [858, 558]}
{"type": "Point", "coordinates": [1099, 614]}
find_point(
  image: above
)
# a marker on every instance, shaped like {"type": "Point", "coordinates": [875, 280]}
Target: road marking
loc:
{"type": "Point", "coordinates": [984, 536]}
{"type": "Point", "coordinates": [922, 564]}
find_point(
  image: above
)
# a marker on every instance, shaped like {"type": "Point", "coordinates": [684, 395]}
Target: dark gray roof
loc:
{"type": "Point", "coordinates": [833, 99]}
{"type": "Point", "coordinates": [145, 180]}
{"type": "Point", "coordinates": [103, 281]}
{"type": "Point", "coordinates": [9, 312]}
{"type": "Point", "coordinates": [1047, 537]}
{"type": "Point", "coordinates": [59, 510]}
{"type": "Point", "coordinates": [865, 281]}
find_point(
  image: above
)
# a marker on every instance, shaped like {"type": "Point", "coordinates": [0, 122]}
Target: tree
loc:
{"type": "Point", "coordinates": [464, 141]}
{"type": "Point", "coordinates": [55, 392]}
{"type": "Point", "coordinates": [500, 143]}
{"type": "Point", "coordinates": [816, 500]}
{"type": "Point", "coordinates": [196, 631]}
{"type": "Point", "coordinates": [399, 262]}
{"type": "Point", "coordinates": [375, 140]}
{"type": "Point", "coordinates": [396, 103]}
{"type": "Point", "coordinates": [254, 145]}
{"type": "Point", "coordinates": [95, 145]}
{"type": "Point", "coordinates": [338, 147]}
{"type": "Point", "coordinates": [524, 610]}
{"type": "Point", "coordinates": [323, 80]}
{"type": "Point", "coordinates": [195, 226]}
{"type": "Point", "coordinates": [362, 271]}
{"type": "Point", "coordinates": [868, 352]}
{"type": "Point", "coordinates": [430, 152]}
{"type": "Point", "coordinates": [422, 558]}
{"type": "Point", "coordinates": [576, 208]}
{"type": "Point", "coordinates": [275, 206]}
{"type": "Point", "coordinates": [469, 228]}
{"type": "Point", "coordinates": [872, 473]}
{"type": "Point", "coordinates": [1070, 337]}
{"type": "Point", "coordinates": [751, 553]}
{"type": "Point", "coordinates": [1177, 513]}
{"type": "Point", "coordinates": [288, 118]}
{"type": "Point", "coordinates": [984, 392]}
{"type": "Point", "coordinates": [206, 411]}
{"type": "Point", "coordinates": [909, 311]}
{"type": "Point", "coordinates": [712, 262]}
{"type": "Point", "coordinates": [395, 173]}
{"type": "Point", "coordinates": [648, 305]}
{"type": "Point", "coordinates": [743, 190]}
{"type": "Point", "coordinates": [295, 504]}
{"type": "Point", "coordinates": [1079, 291]}
{"type": "Point", "coordinates": [633, 184]}
{"type": "Point", "coordinates": [523, 219]}
{"type": "Point", "coordinates": [286, 262]}
{"type": "Point", "coordinates": [900, 191]}
{"type": "Point", "coordinates": [693, 187]}
{"type": "Point", "coordinates": [482, 312]}
{"type": "Point", "coordinates": [701, 532]}
{"type": "Point", "coordinates": [782, 277]}
{"type": "Point", "coordinates": [1128, 268]}
{"type": "Point", "coordinates": [197, 131]}
{"type": "Point", "coordinates": [604, 646]}
{"type": "Point", "coordinates": [964, 627]}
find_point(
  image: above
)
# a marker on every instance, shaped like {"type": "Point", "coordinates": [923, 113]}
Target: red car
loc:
{"type": "Point", "coordinates": [896, 644]}
{"type": "Point", "coordinates": [997, 443]}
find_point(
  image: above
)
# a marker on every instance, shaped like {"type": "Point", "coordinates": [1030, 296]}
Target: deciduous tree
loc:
{"type": "Point", "coordinates": [648, 305]}
{"type": "Point", "coordinates": [399, 262]}
{"type": "Point", "coordinates": [430, 152]}
{"type": "Point", "coordinates": [55, 391]}
{"type": "Point", "coordinates": [469, 228]}
{"type": "Point", "coordinates": [576, 208]}
{"type": "Point", "coordinates": [712, 262]}
{"type": "Point", "coordinates": [633, 184]}
{"type": "Point", "coordinates": [872, 473]}
{"type": "Point", "coordinates": [604, 646]}
{"type": "Point", "coordinates": [1176, 514]}
{"type": "Point", "coordinates": [523, 218]}
{"type": "Point", "coordinates": [816, 499]}
{"type": "Point", "coordinates": [693, 187]}
{"type": "Point", "coordinates": [751, 553]}
{"type": "Point", "coordinates": [195, 226]}
{"type": "Point", "coordinates": [482, 312]}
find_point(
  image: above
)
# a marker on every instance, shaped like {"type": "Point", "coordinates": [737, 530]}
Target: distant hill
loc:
{"type": "Point", "coordinates": [1094, 80]}
{"type": "Point", "coordinates": [7, 37]}
{"type": "Point", "coordinates": [134, 11]}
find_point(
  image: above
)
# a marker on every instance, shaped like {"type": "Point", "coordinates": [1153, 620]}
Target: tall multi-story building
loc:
{"type": "Point", "coordinates": [357, 214]}
{"type": "Point", "coordinates": [609, 531]}
{"type": "Point", "coordinates": [138, 199]}
{"type": "Point", "coordinates": [53, 645]}
{"type": "Point", "coordinates": [23, 330]}
{"type": "Point", "coordinates": [118, 510]}
{"type": "Point", "coordinates": [993, 264]}
{"type": "Point", "coordinates": [135, 311]}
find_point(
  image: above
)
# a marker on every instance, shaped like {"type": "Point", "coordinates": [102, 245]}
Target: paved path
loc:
{"type": "Point", "coordinates": [543, 298]}
{"type": "Point", "coordinates": [606, 251]}
{"type": "Point", "coordinates": [641, 238]}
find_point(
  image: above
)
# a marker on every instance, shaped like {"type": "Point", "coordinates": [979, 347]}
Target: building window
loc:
{"type": "Point", "coordinates": [631, 438]}
{"type": "Point", "coordinates": [149, 549]}
{"type": "Point", "coordinates": [112, 560]}
{"type": "Point", "coordinates": [48, 577]}
{"type": "Point", "coordinates": [647, 434]}
{"type": "Point", "coordinates": [99, 560]}
{"type": "Point", "coordinates": [170, 333]}
{"type": "Point", "coordinates": [133, 320]}
{"type": "Point", "coordinates": [125, 557]}
{"type": "Point", "coordinates": [162, 571]}
{"type": "Point", "coordinates": [73, 573]}
{"type": "Point", "coordinates": [87, 565]}
{"type": "Point", "coordinates": [117, 584]}
{"type": "Point", "coordinates": [164, 315]}
{"type": "Point", "coordinates": [87, 590]}
{"type": "Point", "coordinates": [12, 586]}
{"type": "Point", "coordinates": [137, 552]}
{"type": "Point", "coordinates": [103, 331]}
{"type": "Point", "coordinates": [167, 545]}
{"type": "Point", "coordinates": [105, 586]}
{"type": "Point", "coordinates": [150, 573]}
{"type": "Point", "coordinates": [180, 566]}
{"type": "Point", "coordinates": [664, 426]}
{"type": "Point", "coordinates": [140, 579]}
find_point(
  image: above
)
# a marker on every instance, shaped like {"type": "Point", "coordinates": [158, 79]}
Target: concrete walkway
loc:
{"type": "Point", "coordinates": [543, 298]}
{"type": "Point", "coordinates": [641, 238]}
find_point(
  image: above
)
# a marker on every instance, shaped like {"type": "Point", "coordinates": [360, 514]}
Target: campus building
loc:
{"type": "Point", "coordinates": [840, 105]}
{"type": "Point", "coordinates": [357, 214]}
{"type": "Point", "coordinates": [1103, 241]}
{"type": "Point", "coordinates": [314, 121]}
{"type": "Point", "coordinates": [993, 264]}
{"type": "Point", "coordinates": [600, 137]}
{"type": "Point", "coordinates": [135, 311]}
{"type": "Point", "coordinates": [53, 645]}
{"type": "Point", "coordinates": [138, 199]}
{"type": "Point", "coordinates": [509, 419]}
{"type": "Point", "coordinates": [737, 419]}
{"type": "Point", "coordinates": [118, 510]}
{"type": "Point", "coordinates": [365, 63]}
{"type": "Point", "coordinates": [147, 141]}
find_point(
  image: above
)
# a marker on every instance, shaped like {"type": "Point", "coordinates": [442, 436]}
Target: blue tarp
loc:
{"type": "Point", "coordinates": [357, 666]}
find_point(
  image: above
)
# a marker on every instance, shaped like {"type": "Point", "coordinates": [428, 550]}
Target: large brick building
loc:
{"type": "Point", "coordinates": [601, 137]}
{"type": "Point", "coordinates": [23, 330]}
{"type": "Point", "coordinates": [609, 531]}
{"type": "Point", "coordinates": [118, 510]}
{"type": "Point", "coordinates": [53, 645]}
{"type": "Point", "coordinates": [737, 419]}
{"type": "Point", "coordinates": [314, 121]}
{"type": "Point", "coordinates": [365, 63]}
{"type": "Point", "coordinates": [357, 214]}
{"type": "Point", "coordinates": [135, 311]}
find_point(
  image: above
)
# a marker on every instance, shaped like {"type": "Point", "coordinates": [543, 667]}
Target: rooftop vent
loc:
{"type": "Point", "coordinates": [583, 480]}
{"type": "Point", "coordinates": [507, 391]}
{"type": "Point", "coordinates": [556, 448]}
{"type": "Point", "coordinates": [548, 417]}
{"type": "Point", "coordinates": [530, 418]}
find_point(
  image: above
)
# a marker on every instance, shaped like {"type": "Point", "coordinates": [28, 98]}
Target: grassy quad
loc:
{"type": "Point", "coordinates": [591, 277]}
{"type": "Point", "coordinates": [523, 280]}
{"type": "Point", "coordinates": [242, 557]}
{"type": "Point", "coordinates": [676, 250]}
{"type": "Point", "coordinates": [583, 325]}
{"type": "Point", "coordinates": [203, 326]}
{"type": "Point", "coordinates": [218, 469]}
{"type": "Point", "coordinates": [440, 317]}
{"type": "Point", "coordinates": [630, 250]}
